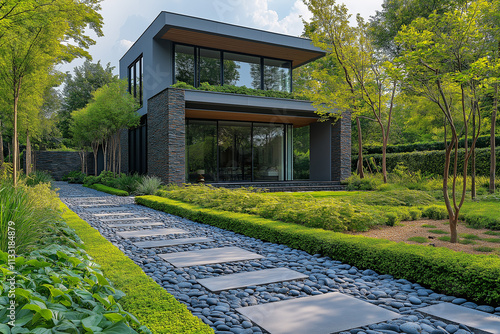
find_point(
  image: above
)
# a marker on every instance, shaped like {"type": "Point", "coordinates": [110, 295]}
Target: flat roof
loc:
{"type": "Point", "coordinates": [228, 37]}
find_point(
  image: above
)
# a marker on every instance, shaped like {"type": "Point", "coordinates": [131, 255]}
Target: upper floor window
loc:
{"type": "Point", "coordinates": [195, 65]}
{"type": "Point", "coordinates": [135, 79]}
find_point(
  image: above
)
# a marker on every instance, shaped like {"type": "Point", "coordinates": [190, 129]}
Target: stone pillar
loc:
{"type": "Point", "coordinates": [166, 136]}
{"type": "Point", "coordinates": [341, 148]}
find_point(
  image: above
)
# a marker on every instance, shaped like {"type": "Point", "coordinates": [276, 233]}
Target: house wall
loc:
{"type": "Point", "coordinates": [60, 163]}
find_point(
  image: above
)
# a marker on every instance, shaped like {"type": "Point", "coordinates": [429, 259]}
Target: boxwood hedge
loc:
{"type": "Point", "coordinates": [149, 302]}
{"type": "Point", "coordinates": [106, 189]}
{"type": "Point", "coordinates": [476, 277]}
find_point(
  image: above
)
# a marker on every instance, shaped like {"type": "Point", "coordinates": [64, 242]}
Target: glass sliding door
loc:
{"type": "Point", "coordinates": [235, 151]}
{"type": "Point", "coordinates": [201, 150]}
{"type": "Point", "coordinates": [268, 152]}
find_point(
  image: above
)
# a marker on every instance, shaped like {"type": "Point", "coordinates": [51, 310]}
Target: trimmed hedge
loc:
{"type": "Point", "coordinates": [475, 276]}
{"type": "Point", "coordinates": [482, 142]}
{"type": "Point", "coordinates": [150, 303]}
{"type": "Point", "coordinates": [106, 189]}
{"type": "Point", "coordinates": [432, 162]}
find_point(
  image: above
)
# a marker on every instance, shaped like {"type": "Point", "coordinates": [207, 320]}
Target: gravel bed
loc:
{"type": "Point", "coordinates": [218, 309]}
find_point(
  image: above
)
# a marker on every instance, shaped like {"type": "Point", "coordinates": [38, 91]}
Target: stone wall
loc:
{"type": "Point", "coordinates": [166, 133]}
{"type": "Point", "coordinates": [341, 148]}
{"type": "Point", "coordinates": [58, 164]}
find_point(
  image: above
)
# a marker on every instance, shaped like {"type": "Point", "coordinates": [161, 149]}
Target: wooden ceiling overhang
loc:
{"type": "Point", "coordinates": [298, 56]}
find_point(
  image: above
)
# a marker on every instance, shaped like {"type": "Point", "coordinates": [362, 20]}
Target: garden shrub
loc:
{"type": "Point", "coordinates": [126, 182]}
{"type": "Point", "coordinates": [38, 177]}
{"type": "Point", "coordinates": [369, 182]}
{"type": "Point", "coordinates": [148, 185]}
{"type": "Point", "coordinates": [150, 303]}
{"type": "Point", "coordinates": [476, 277]}
{"type": "Point", "coordinates": [75, 176]}
{"type": "Point", "coordinates": [109, 190]}
{"type": "Point", "coordinates": [435, 212]}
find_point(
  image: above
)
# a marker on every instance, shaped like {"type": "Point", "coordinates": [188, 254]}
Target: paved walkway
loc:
{"type": "Point", "coordinates": [238, 284]}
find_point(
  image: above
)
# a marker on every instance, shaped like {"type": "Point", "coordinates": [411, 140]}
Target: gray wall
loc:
{"type": "Point", "coordinates": [58, 164]}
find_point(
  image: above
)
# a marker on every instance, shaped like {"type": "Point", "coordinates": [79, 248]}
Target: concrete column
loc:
{"type": "Point", "coordinates": [166, 136]}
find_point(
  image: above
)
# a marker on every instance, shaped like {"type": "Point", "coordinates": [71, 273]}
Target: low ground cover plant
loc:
{"type": "Point", "coordinates": [132, 184]}
{"type": "Point", "coordinates": [106, 189]}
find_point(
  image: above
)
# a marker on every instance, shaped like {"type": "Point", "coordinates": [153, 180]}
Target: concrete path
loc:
{"type": "Point", "coordinates": [238, 284]}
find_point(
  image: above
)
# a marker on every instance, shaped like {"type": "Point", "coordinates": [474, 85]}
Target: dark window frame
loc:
{"type": "Point", "coordinates": [135, 87]}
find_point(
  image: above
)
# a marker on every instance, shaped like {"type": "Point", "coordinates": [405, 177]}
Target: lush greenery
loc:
{"type": "Point", "coordinates": [149, 302]}
{"type": "Point", "coordinates": [109, 190]}
{"type": "Point", "coordinates": [337, 213]}
{"type": "Point", "coordinates": [241, 90]}
{"type": "Point", "coordinates": [132, 184]}
{"type": "Point", "coordinates": [475, 276]}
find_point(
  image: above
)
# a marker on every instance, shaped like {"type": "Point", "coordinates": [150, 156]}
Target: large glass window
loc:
{"type": "Point", "coordinates": [246, 70]}
{"type": "Point", "coordinates": [235, 151]}
{"type": "Point", "coordinates": [135, 79]}
{"type": "Point", "coordinates": [277, 74]}
{"type": "Point", "coordinates": [268, 146]}
{"type": "Point", "coordinates": [184, 64]}
{"type": "Point", "coordinates": [209, 67]}
{"type": "Point", "coordinates": [196, 65]}
{"type": "Point", "coordinates": [201, 150]}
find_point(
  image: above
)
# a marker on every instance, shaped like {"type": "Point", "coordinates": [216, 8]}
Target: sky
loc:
{"type": "Point", "coordinates": [125, 20]}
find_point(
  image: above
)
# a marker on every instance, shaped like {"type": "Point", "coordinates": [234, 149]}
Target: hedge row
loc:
{"type": "Point", "coordinates": [106, 189]}
{"type": "Point", "coordinates": [431, 162]}
{"type": "Point", "coordinates": [149, 302]}
{"type": "Point", "coordinates": [482, 142]}
{"type": "Point", "coordinates": [475, 276]}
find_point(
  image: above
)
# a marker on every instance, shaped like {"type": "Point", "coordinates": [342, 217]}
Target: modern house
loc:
{"type": "Point", "coordinates": [228, 138]}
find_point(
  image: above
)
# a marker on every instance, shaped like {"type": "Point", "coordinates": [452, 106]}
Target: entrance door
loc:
{"type": "Point", "coordinates": [235, 151]}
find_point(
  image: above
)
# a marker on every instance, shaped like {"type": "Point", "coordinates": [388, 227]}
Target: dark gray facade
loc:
{"type": "Point", "coordinates": [167, 108]}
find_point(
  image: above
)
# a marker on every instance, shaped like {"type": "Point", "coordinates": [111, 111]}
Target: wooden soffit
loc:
{"type": "Point", "coordinates": [297, 121]}
{"type": "Point", "coordinates": [202, 39]}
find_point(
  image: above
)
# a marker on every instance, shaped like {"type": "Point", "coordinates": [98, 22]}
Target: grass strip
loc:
{"type": "Point", "coordinates": [150, 303]}
{"type": "Point", "coordinates": [476, 277]}
{"type": "Point", "coordinates": [106, 189]}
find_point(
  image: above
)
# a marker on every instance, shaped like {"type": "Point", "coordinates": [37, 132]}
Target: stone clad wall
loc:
{"type": "Point", "coordinates": [166, 133]}
{"type": "Point", "coordinates": [58, 164]}
{"type": "Point", "coordinates": [341, 148]}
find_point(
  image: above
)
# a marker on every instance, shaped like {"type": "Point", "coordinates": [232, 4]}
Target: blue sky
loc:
{"type": "Point", "coordinates": [125, 20]}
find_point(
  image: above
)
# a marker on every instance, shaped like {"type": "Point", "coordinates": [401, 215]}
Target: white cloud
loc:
{"type": "Point", "coordinates": [125, 44]}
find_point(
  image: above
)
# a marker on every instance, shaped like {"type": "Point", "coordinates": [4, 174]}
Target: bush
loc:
{"type": "Point", "coordinates": [475, 276]}
{"type": "Point", "coordinates": [75, 176]}
{"type": "Point", "coordinates": [126, 182]}
{"type": "Point", "coordinates": [148, 185]}
{"type": "Point", "coordinates": [90, 180]}
{"type": "Point", "coordinates": [370, 182]}
{"type": "Point", "coordinates": [38, 177]}
{"type": "Point", "coordinates": [109, 190]}
{"type": "Point", "coordinates": [150, 303]}
{"type": "Point", "coordinates": [435, 212]}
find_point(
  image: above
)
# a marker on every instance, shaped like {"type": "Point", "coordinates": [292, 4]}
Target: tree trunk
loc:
{"type": "Point", "coordinates": [119, 155]}
{"type": "Point", "coordinates": [95, 150]}
{"type": "Point", "coordinates": [493, 160]}
{"type": "Point", "coordinates": [384, 163]}
{"type": "Point", "coordinates": [473, 157]}
{"type": "Point", "coordinates": [360, 150]}
{"type": "Point", "coordinates": [14, 136]}
{"type": "Point", "coordinates": [28, 153]}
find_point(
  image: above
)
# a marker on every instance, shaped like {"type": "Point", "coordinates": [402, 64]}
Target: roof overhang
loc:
{"type": "Point", "coordinates": [206, 33]}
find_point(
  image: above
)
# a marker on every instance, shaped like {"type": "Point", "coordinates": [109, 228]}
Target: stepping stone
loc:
{"type": "Point", "coordinates": [150, 233]}
{"type": "Point", "coordinates": [171, 242]}
{"type": "Point", "coordinates": [241, 280]}
{"type": "Point", "coordinates": [114, 214]}
{"type": "Point", "coordinates": [209, 256]}
{"type": "Point", "coordinates": [125, 225]}
{"type": "Point", "coordinates": [97, 204]}
{"type": "Point", "coordinates": [118, 208]}
{"type": "Point", "coordinates": [123, 219]}
{"type": "Point", "coordinates": [321, 314]}
{"type": "Point", "coordinates": [474, 319]}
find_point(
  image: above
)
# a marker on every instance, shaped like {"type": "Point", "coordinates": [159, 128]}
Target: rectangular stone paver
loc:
{"type": "Point", "coordinates": [171, 242]}
{"type": "Point", "coordinates": [125, 225]}
{"type": "Point", "coordinates": [241, 280]}
{"type": "Point", "coordinates": [150, 233]}
{"type": "Point", "coordinates": [123, 219]}
{"type": "Point", "coordinates": [97, 205]}
{"type": "Point", "coordinates": [118, 208]}
{"type": "Point", "coordinates": [115, 214]}
{"type": "Point", "coordinates": [209, 256]}
{"type": "Point", "coordinates": [472, 318]}
{"type": "Point", "coordinates": [321, 314]}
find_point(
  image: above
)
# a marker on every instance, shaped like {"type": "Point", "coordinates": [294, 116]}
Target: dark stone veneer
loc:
{"type": "Point", "coordinates": [166, 133]}
{"type": "Point", "coordinates": [341, 148]}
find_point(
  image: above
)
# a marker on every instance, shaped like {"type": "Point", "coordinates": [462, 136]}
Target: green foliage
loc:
{"type": "Point", "coordinates": [75, 176]}
{"type": "Point", "coordinates": [492, 233]}
{"type": "Point", "coordinates": [420, 240]}
{"type": "Point", "coordinates": [438, 232]}
{"type": "Point", "coordinates": [27, 214]}
{"type": "Point", "coordinates": [60, 289]}
{"type": "Point", "coordinates": [494, 240]}
{"type": "Point", "coordinates": [469, 236]}
{"type": "Point", "coordinates": [475, 276]}
{"type": "Point", "coordinates": [149, 302]}
{"type": "Point", "coordinates": [435, 212]}
{"type": "Point", "coordinates": [148, 185]}
{"type": "Point", "coordinates": [106, 189]}
{"type": "Point", "coordinates": [481, 215]}
{"type": "Point", "coordinates": [429, 226]}
{"type": "Point", "coordinates": [369, 182]}
{"type": "Point", "coordinates": [240, 90]}
{"type": "Point", "coordinates": [38, 177]}
{"type": "Point", "coordinates": [483, 249]}
{"type": "Point", "coordinates": [126, 182]}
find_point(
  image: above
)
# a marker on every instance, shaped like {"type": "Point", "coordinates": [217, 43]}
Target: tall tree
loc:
{"type": "Point", "coordinates": [436, 54]}
{"type": "Point", "coordinates": [78, 89]}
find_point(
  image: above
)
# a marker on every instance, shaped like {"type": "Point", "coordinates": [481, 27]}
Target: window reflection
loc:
{"type": "Point", "coordinates": [268, 144]}
{"type": "Point", "coordinates": [247, 69]}
{"type": "Point", "coordinates": [201, 150]}
{"type": "Point", "coordinates": [209, 67]}
{"type": "Point", "coordinates": [184, 64]}
{"type": "Point", "coordinates": [277, 74]}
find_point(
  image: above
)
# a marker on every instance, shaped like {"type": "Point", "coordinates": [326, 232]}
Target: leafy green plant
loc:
{"type": "Point", "coordinates": [420, 240]}
{"type": "Point", "coordinates": [148, 185]}
{"type": "Point", "coordinates": [492, 233]}
{"type": "Point", "coordinates": [445, 238]}
{"type": "Point", "coordinates": [109, 190]}
{"type": "Point", "coordinates": [469, 236]}
{"type": "Point", "coordinates": [495, 240]}
{"type": "Point", "coordinates": [483, 249]}
{"type": "Point", "coordinates": [435, 212]}
{"type": "Point", "coordinates": [369, 182]}
{"type": "Point", "coordinates": [429, 226]}
{"type": "Point", "coordinates": [38, 177]}
{"type": "Point", "coordinates": [126, 182]}
{"type": "Point", "coordinates": [438, 231]}
{"type": "Point", "coordinates": [75, 176]}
